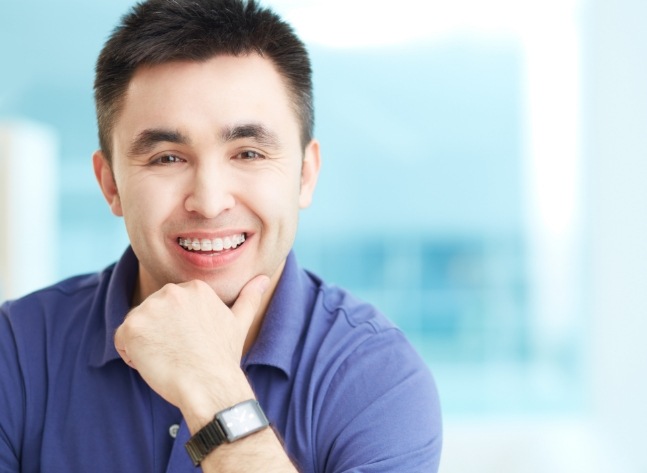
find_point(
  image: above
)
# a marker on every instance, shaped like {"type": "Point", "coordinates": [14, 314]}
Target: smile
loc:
{"type": "Point", "coordinates": [217, 244]}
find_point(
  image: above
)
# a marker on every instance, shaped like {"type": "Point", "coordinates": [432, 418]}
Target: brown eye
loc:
{"type": "Point", "coordinates": [167, 159]}
{"type": "Point", "coordinates": [250, 156]}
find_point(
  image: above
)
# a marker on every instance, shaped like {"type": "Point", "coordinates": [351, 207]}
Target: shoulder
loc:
{"type": "Point", "coordinates": [49, 300]}
{"type": "Point", "coordinates": [56, 311]}
{"type": "Point", "coordinates": [372, 377]}
{"type": "Point", "coordinates": [374, 344]}
{"type": "Point", "coordinates": [40, 335]}
{"type": "Point", "coordinates": [335, 302]}
{"type": "Point", "coordinates": [358, 340]}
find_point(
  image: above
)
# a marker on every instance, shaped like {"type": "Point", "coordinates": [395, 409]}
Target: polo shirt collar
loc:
{"type": "Point", "coordinates": [282, 327]}
{"type": "Point", "coordinates": [285, 320]}
{"type": "Point", "coordinates": [118, 294]}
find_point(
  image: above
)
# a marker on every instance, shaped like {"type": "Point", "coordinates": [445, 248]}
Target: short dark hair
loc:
{"type": "Point", "coordinates": [161, 31]}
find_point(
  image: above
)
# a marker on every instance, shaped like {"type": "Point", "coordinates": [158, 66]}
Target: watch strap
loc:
{"type": "Point", "coordinates": [217, 432]}
{"type": "Point", "coordinates": [204, 441]}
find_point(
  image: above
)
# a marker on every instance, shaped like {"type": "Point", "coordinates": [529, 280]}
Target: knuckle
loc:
{"type": "Point", "coordinates": [170, 289]}
{"type": "Point", "coordinates": [130, 327]}
{"type": "Point", "coordinates": [200, 285]}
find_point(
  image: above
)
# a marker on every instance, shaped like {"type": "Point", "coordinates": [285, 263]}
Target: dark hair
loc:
{"type": "Point", "coordinates": [161, 31]}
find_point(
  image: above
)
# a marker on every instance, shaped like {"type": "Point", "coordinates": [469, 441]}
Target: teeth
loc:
{"type": "Point", "coordinates": [206, 245]}
{"type": "Point", "coordinates": [217, 244]}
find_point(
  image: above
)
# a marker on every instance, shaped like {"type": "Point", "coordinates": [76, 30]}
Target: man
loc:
{"type": "Point", "coordinates": [207, 330]}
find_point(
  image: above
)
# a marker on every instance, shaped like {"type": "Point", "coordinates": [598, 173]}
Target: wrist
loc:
{"type": "Point", "coordinates": [201, 402]}
{"type": "Point", "coordinates": [228, 426]}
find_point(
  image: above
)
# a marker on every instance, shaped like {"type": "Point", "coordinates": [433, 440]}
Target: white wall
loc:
{"type": "Point", "coordinates": [610, 431]}
{"type": "Point", "coordinates": [616, 152]}
{"type": "Point", "coordinates": [28, 207]}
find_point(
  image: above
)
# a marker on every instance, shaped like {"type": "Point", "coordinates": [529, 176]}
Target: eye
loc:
{"type": "Point", "coordinates": [249, 156]}
{"type": "Point", "coordinates": [166, 159]}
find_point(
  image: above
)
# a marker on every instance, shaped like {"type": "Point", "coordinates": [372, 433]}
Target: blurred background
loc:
{"type": "Point", "coordinates": [483, 184]}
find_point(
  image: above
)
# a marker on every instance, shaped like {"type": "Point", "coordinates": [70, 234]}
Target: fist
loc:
{"type": "Point", "coordinates": [183, 340]}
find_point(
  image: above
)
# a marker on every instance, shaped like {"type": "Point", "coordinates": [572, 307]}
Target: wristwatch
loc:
{"type": "Point", "coordinates": [232, 424]}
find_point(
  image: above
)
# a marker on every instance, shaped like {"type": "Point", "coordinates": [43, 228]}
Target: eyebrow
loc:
{"type": "Point", "coordinates": [259, 133]}
{"type": "Point", "coordinates": [148, 139]}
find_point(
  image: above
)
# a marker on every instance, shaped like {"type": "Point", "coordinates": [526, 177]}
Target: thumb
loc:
{"type": "Point", "coordinates": [249, 299]}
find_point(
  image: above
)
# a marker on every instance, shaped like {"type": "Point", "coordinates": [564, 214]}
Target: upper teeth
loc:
{"type": "Point", "coordinates": [216, 244]}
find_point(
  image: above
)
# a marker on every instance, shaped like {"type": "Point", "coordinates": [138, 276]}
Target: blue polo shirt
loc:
{"type": "Point", "coordinates": [340, 384]}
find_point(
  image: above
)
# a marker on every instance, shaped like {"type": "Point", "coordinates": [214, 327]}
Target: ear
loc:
{"type": "Point", "coordinates": [106, 180]}
{"type": "Point", "coordinates": [309, 173]}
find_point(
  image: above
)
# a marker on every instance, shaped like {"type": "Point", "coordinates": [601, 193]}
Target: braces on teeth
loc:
{"type": "Point", "coordinates": [217, 244]}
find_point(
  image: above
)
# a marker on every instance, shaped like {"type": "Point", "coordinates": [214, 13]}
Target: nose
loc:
{"type": "Point", "coordinates": [210, 192]}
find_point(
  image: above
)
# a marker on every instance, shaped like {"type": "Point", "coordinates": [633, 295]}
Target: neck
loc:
{"type": "Point", "coordinates": [255, 328]}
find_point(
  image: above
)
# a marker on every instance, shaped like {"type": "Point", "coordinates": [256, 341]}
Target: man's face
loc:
{"type": "Point", "coordinates": [209, 172]}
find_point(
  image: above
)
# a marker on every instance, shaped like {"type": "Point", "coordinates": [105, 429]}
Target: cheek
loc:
{"type": "Point", "coordinates": [146, 206]}
{"type": "Point", "coordinates": [278, 198]}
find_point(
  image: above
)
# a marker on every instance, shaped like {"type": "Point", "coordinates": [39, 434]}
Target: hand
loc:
{"type": "Point", "coordinates": [187, 344]}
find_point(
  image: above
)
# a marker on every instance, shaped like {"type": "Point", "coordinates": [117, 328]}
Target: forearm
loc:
{"type": "Point", "coordinates": [187, 346]}
{"type": "Point", "coordinates": [260, 451]}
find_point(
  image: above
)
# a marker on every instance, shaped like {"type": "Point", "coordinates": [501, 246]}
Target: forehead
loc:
{"type": "Point", "coordinates": [222, 91]}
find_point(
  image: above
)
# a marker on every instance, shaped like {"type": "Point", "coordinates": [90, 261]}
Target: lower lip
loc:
{"type": "Point", "coordinates": [211, 260]}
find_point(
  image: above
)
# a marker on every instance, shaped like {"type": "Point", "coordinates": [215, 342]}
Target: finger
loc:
{"type": "Point", "coordinates": [249, 299]}
{"type": "Point", "coordinates": [121, 347]}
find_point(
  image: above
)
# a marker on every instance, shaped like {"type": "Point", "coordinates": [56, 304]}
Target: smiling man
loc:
{"type": "Point", "coordinates": [206, 344]}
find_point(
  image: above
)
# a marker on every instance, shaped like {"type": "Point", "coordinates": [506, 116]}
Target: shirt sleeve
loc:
{"type": "Point", "coordinates": [381, 411]}
{"type": "Point", "coordinates": [12, 396]}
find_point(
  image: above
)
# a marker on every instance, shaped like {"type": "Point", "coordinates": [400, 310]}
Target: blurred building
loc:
{"type": "Point", "coordinates": [482, 184]}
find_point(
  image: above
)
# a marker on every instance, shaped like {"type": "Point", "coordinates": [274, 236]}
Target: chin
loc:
{"type": "Point", "coordinates": [228, 295]}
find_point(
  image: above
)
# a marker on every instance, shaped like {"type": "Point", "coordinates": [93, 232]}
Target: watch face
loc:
{"type": "Point", "coordinates": [242, 419]}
